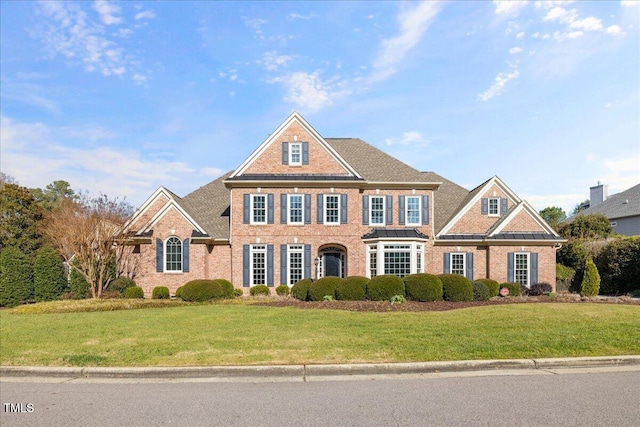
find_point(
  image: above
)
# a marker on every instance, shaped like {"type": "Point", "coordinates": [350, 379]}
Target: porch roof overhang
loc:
{"type": "Point", "coordinates": [203, 238]}
{"type": "Point", "coordinates": [500, 239]}
{"type": "Point", "coordinates": [394, 234]}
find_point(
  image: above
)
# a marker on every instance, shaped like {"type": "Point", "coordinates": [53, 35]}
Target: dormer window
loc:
{"type": "Point", "coordinates": [295, 154]}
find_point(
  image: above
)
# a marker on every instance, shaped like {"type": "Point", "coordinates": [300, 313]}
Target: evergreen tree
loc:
{"type": "Point", "coordinates": [16, 277]}
{"type": "Point", "coordinates": [48, 275]}
{"type": "Point", "coordinates": [590, 285]}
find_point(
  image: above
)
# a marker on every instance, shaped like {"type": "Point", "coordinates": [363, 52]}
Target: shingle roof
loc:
{"type": "Point", "coordinates": [395, 233]}
{"type": "Point", "coordinates": [209, 207]}
{"type": "Point", "coordinates": [449, 198]}
{"type": "Point", "coordinates": [292, 177]}
{"type": "Point", "coordinates": [619, 205]}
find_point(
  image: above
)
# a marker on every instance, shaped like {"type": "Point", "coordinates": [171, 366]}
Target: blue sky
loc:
{"type": "Point", "coordinates": [122, 97]}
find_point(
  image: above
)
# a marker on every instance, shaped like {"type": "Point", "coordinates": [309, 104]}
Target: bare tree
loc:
{"type": "Point", "coordinates": [87, 233]}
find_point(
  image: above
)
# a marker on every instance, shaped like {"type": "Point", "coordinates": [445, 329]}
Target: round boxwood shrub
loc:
{"type": "Point", "coordinates": [259, 290]}
{"type": "Point", "coordinates": [301, 289]}
{"type": "Point", "coordinates": [227, 288]}
{"type": "Point", "coordinates": [200, 290]}
{"type": "Point", "coordinates": [515, 290]}
{"type": "Point", "coordinates": [237, 293]}
{"type": "Point", "coordinates": [540, 289]}
{"type": "Point", "coordinates": [120, 284]}
{"type": "Point", "coordinates": [481, 291]}
{"type": "Point", "coordinates": [494, 286]}
{"type": "Point", "coordinates": [382, 288]}
{"type": "Point", "coordinates": [134, 292]}
{"type": "Point", "coordinates": [160, 292]}
{"type": "Point", "coordinates": [179, 292]}
{"type": "Point", "coordinates": [282, 290]}
{"type": "Point", "coordinates": [423, 287]}
{"type": "Point", "coordinates": [323, 287]}
{"type": "Point", "coordinates": [456, 288]}
{"type": "Point", "coordinates": [352, 288]}
{"type": "Point", "coordinates": [48, 275]}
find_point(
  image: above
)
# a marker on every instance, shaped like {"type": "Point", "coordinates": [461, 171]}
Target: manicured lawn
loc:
{"type": "Point", "coordinates": [223, 334]}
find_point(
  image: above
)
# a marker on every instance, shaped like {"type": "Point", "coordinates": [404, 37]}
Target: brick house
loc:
{"type": "Point", "coordinates": [306, 206]}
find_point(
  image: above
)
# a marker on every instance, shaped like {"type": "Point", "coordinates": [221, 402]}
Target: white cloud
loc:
{"type": "Point", "coordinates": [211, 172]}
{"type": "Point", "coordinates": [520, 35]}
{"type": "Point", "coordinates": [108, 12]}
{"type": "Point", "coordinates": [145, 14]}
{"type": "Point", "coordinates": [413, 23]}
{"type": "Point", "coordinates": [499, 83]}
{"type": "Point", "coordinates": [413, 138]}
{"type": "Point", "coordinates": [302, 17]}
{"type": "Point", "coordinates": [615, 30]}
{"type": "Point", "coordinates": [515, 50]}
{"type": "Point", "coordinates": [630, 3]}
{"type": "Point", "coordinates": [587, 24]}
{"type": "Point", "coordinates": [509, 8]}
{"type": "Point", "coordinates": [559, 14]}
{"type": "Point", "coordinates": [564, 201]}
{"type": "Point", "coordinates": [272, 61]}
{"type": "Point", "coordinates": [309, 92]}
{"type": "Point", "coordinates": [621, 173]}
{"type": "Point", "coordinates": [550, 4]}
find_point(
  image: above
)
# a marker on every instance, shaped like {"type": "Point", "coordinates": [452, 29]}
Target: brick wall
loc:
{"type": "Point", "coordinates": [473, 221]}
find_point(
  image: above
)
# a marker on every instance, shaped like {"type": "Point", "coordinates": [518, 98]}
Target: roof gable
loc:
{"type": "Point", "coordinates": [521, 218]}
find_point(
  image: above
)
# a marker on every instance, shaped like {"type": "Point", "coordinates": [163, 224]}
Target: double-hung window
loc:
{"type": "Point", "coordinates": [376, 212]}
{"type": "Point", "coordinates": [521, 268]}
{"type": "Point", "coordinates": [296, 208]}
{"type": "Point", "coordinates": [295, 153]}
{"type": "Point", "coordinates": [258, 265]}
{"type": "Point", "coordinates": [494, 206]}
{"type": "Point", "coordinates": [173, 255]}
{"type": "Point", "coordinates": [397, 258]}
{"type": "Point", "coordinates": [458, 264]}
{"type": "Point", "coordinates": [295, 264]}
{"type": "Point", "coordinates": [413, 210]}
{"type": "Point", "coordinates": [331, 209]}
{"type": "Point", "coordinates": [258, 209]}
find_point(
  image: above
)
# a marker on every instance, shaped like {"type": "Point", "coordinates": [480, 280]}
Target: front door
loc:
{"type": "Point", "coordinates": [332, 264]}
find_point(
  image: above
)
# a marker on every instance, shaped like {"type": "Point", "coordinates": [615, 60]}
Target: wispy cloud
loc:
{"type": "Point", "coordinates": [145, 14]}
{"type": "Point", "coordinates": [413, 22]}
{"type": "Point", "coordinates": [515, 50]}
{"type": "Point", "coordinates": [272, 61]}
{"type": "Point", "coordinates": [412, 138]}
{"type": "Point", "coordinates": [309, 92]}
{"type": "Point", "coordinates": [109, 12]}
{"type": "Point", "coordinates": [499, 83]}
{"type": "Point", "coordinates": [509, 8]}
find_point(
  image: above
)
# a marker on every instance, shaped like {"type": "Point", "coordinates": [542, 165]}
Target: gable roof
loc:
{"type": "Point", "coordinates": [209, 205]}
{"type": "Point", "coordinates": [446, 201]}
{"type": "Point", "coordinates": [619, 205]}
{"type": "Point", "coordinates": [511, 215]}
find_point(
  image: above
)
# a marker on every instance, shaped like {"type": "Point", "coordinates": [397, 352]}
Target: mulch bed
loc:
{"type": "Point", "coordinates": [414, 306]}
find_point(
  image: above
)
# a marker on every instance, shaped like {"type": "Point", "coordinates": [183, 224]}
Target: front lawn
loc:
{"type": "Point", "coordinates": [239, 334]}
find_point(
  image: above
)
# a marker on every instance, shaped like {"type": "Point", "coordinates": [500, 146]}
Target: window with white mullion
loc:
{"type": "Point", "coordinates": [376, 211]}
{"type": "Point", "coordinates": [258, 265]}
{"type": "Point", "coordinates": [296, 208]}
{"type": "Point", "coordinates": [521, 270]}
{"type": "Point", "coordinates": [173, 255]}
{"type": "Point", "coordinates": [458, 263]}
{"type": "Point", "coordinates": [258, 209]}
{"type": "Point", "coordinates": [373, 260]}
{"type": "Point", "coordinates": [295, 264]}
{"type": "Point", "coordinates": [494, 206]}
{"type": "Point", "coordinates": [413, 210]}
{"type": "Point", "coordinates": [331, 209]}
{"type": "Point", "coordinates": [295, 153]}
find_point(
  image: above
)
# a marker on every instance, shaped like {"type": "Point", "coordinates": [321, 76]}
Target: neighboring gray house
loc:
{"type": "Point", "coordinates": [622, 209]}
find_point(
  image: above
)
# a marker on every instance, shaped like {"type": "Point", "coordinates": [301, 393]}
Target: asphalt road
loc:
{"type": "Point", "coordinates": [564, 398]}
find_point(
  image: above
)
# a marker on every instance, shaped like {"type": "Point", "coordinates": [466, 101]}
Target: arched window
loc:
{"type": "Point", "coordinates": [173, 254]}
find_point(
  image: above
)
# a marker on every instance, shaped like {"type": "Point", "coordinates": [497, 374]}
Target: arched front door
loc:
{"type": "Point", "coordinates": [333, 261]}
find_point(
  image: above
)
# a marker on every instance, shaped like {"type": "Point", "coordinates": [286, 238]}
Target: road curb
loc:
{"type": "Point", "coordinates": [310, 371]}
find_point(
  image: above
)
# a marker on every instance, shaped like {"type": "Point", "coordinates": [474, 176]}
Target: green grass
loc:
{"type": "Point", "coordinates": [240, 334]}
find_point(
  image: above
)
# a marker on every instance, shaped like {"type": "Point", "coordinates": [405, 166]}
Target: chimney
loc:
{"type": "Point", "coordinates": [599, 194]}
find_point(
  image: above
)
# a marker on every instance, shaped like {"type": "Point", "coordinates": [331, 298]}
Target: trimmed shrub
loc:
{"type": "Point", "coordinates": [134, 292]}
{"type": "Point", "coordinates": [423, 287]}
{"type": "Point", "coordinates": [16, 277]}
{"type": "Point", "coordinates": [200, 290]}
{"type": "Point", "coordinates": [619, 266]}
{"type": "Point", "coordinates": [121, 284]}
{"type": "Point", "coordinates": [398, 299]}
{"type": "Point", "coordinates": [481, 291]}
{"type": "Point", "coordinates": [564, 276]}
{"type": "Point", "coordinates": [540, 289]}
{"type": "Point", "coordinates": [323, 287]}
{"type": "Point", "coordinates": [353, 288]}
{"type": "Point", "coordinates": [282, 290]}
{"type": "Point", "coordinates": [382, 288]}
{"type": "Point", "coordinates": [494, 286]}
{"type": "Point", "coordinates": [160, 292]}
{"type": "Point", "coordinates": [262, 290]}
{"type": "Point", "coordinates": [49, 282]}
{"type": "Point", "coordinates": [515, 290]}
{"type": "Point", "coordinates": [456, 287]}
{"type": "Point", "coordinates": [237, 292]}
{"type": "Point", "coordinates": [301, 289]}
{"type": "Point", "coordinates": [590, 285]}
{"type": "Point", "coordinates": [179, 292]}
{"type": "Point", "coordinates": [80, 288]}
{"type": "Point", "coordinates": [227, 288]}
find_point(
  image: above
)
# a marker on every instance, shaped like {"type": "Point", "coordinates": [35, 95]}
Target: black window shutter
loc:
{"type": "Point", "coordinates": [269, 208]}
{"type": "Point", "coordinates": [270, 265]}
{"type": "Point", "coordinates": [307, 261]}
{"type": "Point", "coordinates": [159, 256]}
{"type": "Point", "coordinates": [246, 208]}
{"type": "Point", "coordinates": [446, 263]}
{"type": "Point", "coordinates": [305, 153]}
{"type": "Point", "coordinates": [365, 210]}
{"type": "Point", "coordinates": [283, 209]}
{"type": "Point", "coordinates": [185, 255]}
{"type": "Point", "coordinates": [319, 209]}
{"type": "Point", "coordinates": [511, 267]}
{"type": "Point", "coordinates": [283, 264]}
{"type": "Point", "coordinates": [246, 265]}
{"type": "Point", "coordinates": [401, 208]}
{"type": "Point", "coordinates": [307, 208]}
{"type": "Point", "coordinates": [484, 208]}
{"type": "Point", "coordinates": [343, 209]}
{"type": "Point", "coordinates": [285, 153]}
{"type": "Point", "coordinates": [425, 209]}
{"type": "Point", "coordinates": [389, 208]}
{"type": "Point", "coordinates": [534, 268]}
{"type": "Point", "coordinates": [504, 206]}
{"type": "Point", "coordinates": [469, 260]}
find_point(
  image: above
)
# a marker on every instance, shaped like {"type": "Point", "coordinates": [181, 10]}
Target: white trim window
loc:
{"type": "Point", "coordinates": [295, 153]}
{"type": "Point", "coordinates": [521, 268]}
{"type": "Point", "coordinates": [295, 206]}
{"type": "Point", "coordinates": [396, 258]}
{"type": "Point", "coordinates": [413, 210]}
{"type": "Point", "coordinates": [295, 264]}
{"type": "Point", "coordinates": [258, 209]}
{"type": "Point", "coordinates": [258, 268]}
{"type": "Point", "coordinates": [332, 209]}
{"type": "Point", "coordinates": [494, 206]}
{"type": "Point", "coordinates": [376, 210]}
{"type": "Point", "coordinates": [173, 255]}
{"type": "Point", "coordinates": [459, 263]}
